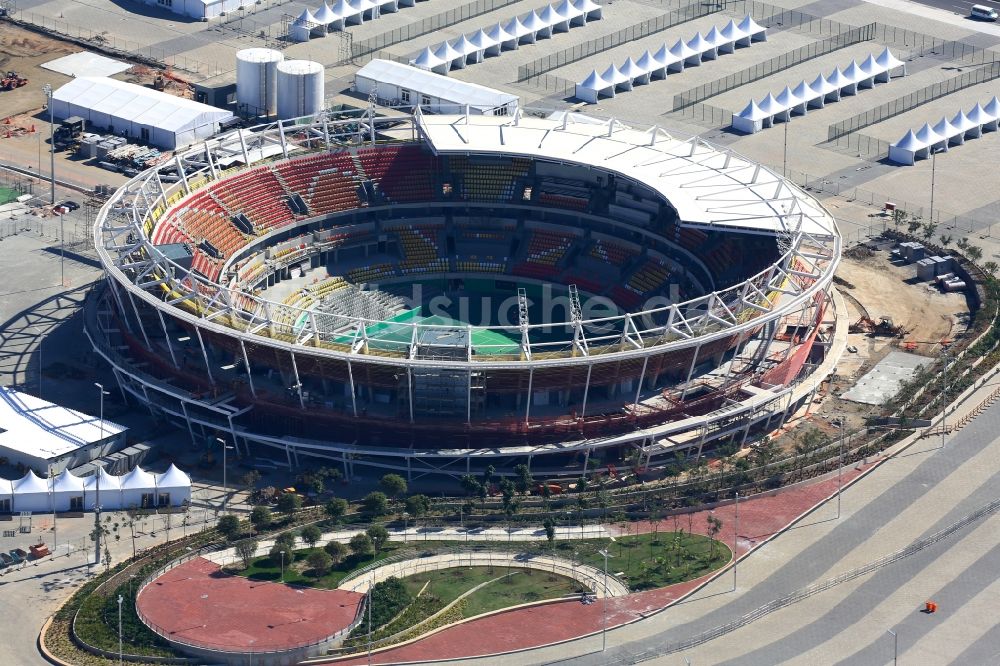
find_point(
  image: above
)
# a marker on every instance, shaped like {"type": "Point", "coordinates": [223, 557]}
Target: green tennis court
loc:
{"type": "Point", "coordinates": [397, 332]}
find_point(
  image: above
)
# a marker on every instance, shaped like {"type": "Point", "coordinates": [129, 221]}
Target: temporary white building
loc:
{"type": "Point", "coordinates": [797, 99]}
{"type": "Point", "coordinates": [432, 92]}
{"type": "Point", "coordinates": [67, 492]}
{"type": "Point", "coordinates": [649, 66]}
{"type": "Point", "coordinates": [31, 493]}
{"type": "Point", "coordinates": [145, 114]}
{"type": "Point", "coordinates": [104, 489]}
{"type": "Point", "coordinates": [6, 495]}
{"type": "Point", "coordinates": [138, 489]}
{"type": "Point", "coordinates": [43, 436]}
{"type": "Point", "coordinates": [919, 144]}
{"type": "Point", "coordinates": [173, 487]}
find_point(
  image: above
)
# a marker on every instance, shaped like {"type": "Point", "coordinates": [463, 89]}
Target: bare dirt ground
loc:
{"type": "Point", "coordinates": [24, 51]}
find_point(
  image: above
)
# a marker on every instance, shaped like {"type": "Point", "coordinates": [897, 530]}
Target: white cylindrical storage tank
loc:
{"type": "Point", "coordinates": [257, 81]}
{"type": "Point", "coordinates": [300, 88]}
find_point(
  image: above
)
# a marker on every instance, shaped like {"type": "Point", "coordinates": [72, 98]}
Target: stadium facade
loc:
{"type": "Point", "coordinates": [436, 294]}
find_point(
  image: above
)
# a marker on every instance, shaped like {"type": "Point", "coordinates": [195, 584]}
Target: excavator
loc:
{"type": "Point", "coordinates": [12, 80]}
{"type": "Point", "coordinates": [884, 327]}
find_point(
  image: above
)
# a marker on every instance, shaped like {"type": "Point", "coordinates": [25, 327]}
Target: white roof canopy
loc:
{"type": "Point", "coordinates": [705, 184]}
{"type": "Point", "coordinates": [173, 478]}
{"type": "Point", "coordinates": [442, 87]}
{"type": "Point", "coordinates": [138, 478]}
{"type": "Point", "coordinates": [136, 104]}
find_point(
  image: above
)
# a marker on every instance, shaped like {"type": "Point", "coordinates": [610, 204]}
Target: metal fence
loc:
{"type": "Point", "coordinates": [428, 25]}
{"type": "Point", "coordinates": [764, 69]}
{"type": "Point", "coordinates": [988, 72]}
{"type": "Point", "coordinates": [108, 42]}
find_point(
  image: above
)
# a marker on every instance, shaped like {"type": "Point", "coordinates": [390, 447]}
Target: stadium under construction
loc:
{"type": "Point", "coordinates": [440, 293]}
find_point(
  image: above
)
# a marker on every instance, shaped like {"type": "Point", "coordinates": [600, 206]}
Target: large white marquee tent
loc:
{"type": "Point", "coordinates": [67, 492]}
{"type": "Point", "coordinates": [341, 14]}
{"type": "Point", "coordinates": [971, 125]}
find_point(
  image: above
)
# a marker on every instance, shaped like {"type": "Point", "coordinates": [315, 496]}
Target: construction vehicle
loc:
{"type": "Point", "coordinates": [69, 132]}
{"type": "Point", "coordinates": [12, 80]}
{"type": "Point", "coordinates": [884, 327]}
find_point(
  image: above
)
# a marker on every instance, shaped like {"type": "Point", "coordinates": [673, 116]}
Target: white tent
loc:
{"type": "Point", "coordinates": [948, 132]}
{"type": "Point", "coordinates": [325, 15]}
{"type": "Point", "coordinates": [472, 53]}
{"type": "Point", "coordinates": [345, 15]}
{"type": "Point", "coordinates": [6, 495]}
{"type": "Point", "coordinates": [844, 85]}
{"type": "Point", "coordinates": [704, 50]}
{"type": "Point", "coordinates": [614, 76]}
{"type": "Point", "coordinates": [433, 92]}
{"type": "Point", "coordinates": [541, 28]}
{"type": "Point", "coordinates": [791, 102]}
{"type": "Point", "coordinates": [636, 74]}
{"type": "Point", "coordinates": [104, 489]}
{"type": "Point", "coordinates": [568, 10]}
{"type": "Point", "coordinates": [905, 150]}
{"type": "Point", "coordinates": [593, 87]}
{"type": "Point", "coordinates": [734, 33]}
{"type": "Point", "coordinates": [485, 43]}
{"type": "Point", "coordinates": [672, 62]}
{"type": "Point", "coordinates": [992, 110]}
{"type": "Point", "coordinates": [888, 62]}
{"type": "Point", "coordinates": [138, 489]}
{"type": "Point", "coordinates": [861, 78]}
{"type": "Point", "coordinates": [500, 35]}
{"type": "Point", "coordinates": [824, 89]}
{"type": "Point", "coordinates": [979, 116]}
{"type": "Point", "coordinates": [427, 60]}
{"type": "Point", "coordinates": [145, 114]}
{"type": "Point", "coordinates": [720, 43]}
{"type": "Point", "coordinates": [753, 30]}
{"type": "Point", "coordinates": [175, 484]}
{"type": "Point", "coordinates": [968, 128]}
{"type": "Point", "coordinates": [367, 8]}
{"type": "Point", "coordinates": [591, 10]}
{"type": "Point", "coordinates": [750, 119]}
{"type": "Point", "coordinates": [684, 53]}
{"type": "Point", "coordinates": [446, 53]}
{"type": "Point", "coordinates": [808, 96]}
{"type": "Point", "coordinates": [67, 492]}
{"type": "Point", "coordinates": [656, 69]}
{"type": "Point", "coordinates": [31, 493]}
{"type": "Point", "coordinates": [929, 140]}
{"type": "Point", "coordinates": [305, 26]}
{"type": "Point", "coordinates": [556, 22]}
{"type": "Point", "coordinates": [519, 30]}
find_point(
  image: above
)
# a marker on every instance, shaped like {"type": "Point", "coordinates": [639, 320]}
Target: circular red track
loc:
{"type": "Point", "coordinates": [198, 604]}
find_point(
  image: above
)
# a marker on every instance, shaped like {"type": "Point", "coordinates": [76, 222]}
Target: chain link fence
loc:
{"type": "Point", "coordinates": [107, 42]}
{"type": "Point", "coordinates": [988, 72]}
{"type": "Point", "coordinates": [764, 69]}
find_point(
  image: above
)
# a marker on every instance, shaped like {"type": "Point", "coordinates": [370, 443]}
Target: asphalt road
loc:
{"type": "Point", "coordinates": [960, 6]}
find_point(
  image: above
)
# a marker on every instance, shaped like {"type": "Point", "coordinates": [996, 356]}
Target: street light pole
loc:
{"type": "Point", "coordinates": [97, 497]}
{"type": "Point", "coordinates": [604, 623]}
{"type": "Point", "coordinates": [47, 89]}
{"type": "Point", "coordinates": [840, 467]}
{"type": "Point", "coordinates": [55, 533]}
{"type": "Point", "coordinates": [736, 537]}
{"type": "Point", "coordinates": [895, 646]}
{"type": "Point", "coordinates": [225, 486]}
{"type": "Point", "coordinates": [944, 398]}
{"type": "Point", "coordinates": [119, 630]}
{"type": "Point", "coordinates": [371, 601]}
{"type": "Point", "coordinates": [784, 157]}
{"type": "Point", "coordinates": [934, 152]}
{"type": "Point", "coordinates": [282, 578]}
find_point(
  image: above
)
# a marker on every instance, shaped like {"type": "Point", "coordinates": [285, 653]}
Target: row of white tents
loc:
{"type": "Point", "coordinates": [473, 48]}
{"type": "Point", "coordinates": [339, 16]}
{"type": "Point", "coordinates": [674, 59]}
{"type": "Point", "coordinates": [971, 125]}
{"type": "Point", "coordinates": [758, 115]}
{"type": "Point", "coordinates": [68, 492]}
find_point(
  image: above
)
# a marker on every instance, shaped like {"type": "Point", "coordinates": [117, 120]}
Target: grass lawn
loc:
{"type": "Point", "coordinates": [7, 195]}
{"type": "Point", "coordinates": [649, 561]}
{"type": "Point", "coordinates": [263, 568]}
{"type": "Point", "coordinates": [523, 586]}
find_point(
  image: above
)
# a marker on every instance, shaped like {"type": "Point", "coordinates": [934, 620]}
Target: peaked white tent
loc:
{"type": "Point", "coordinates": [754, 31]}
{"type": "Point", "coordinates": [616, 78]}
{"type": "Point", "coordinates": [324, 15]}
{"type": "Point", "coordinates": [635, 73]}
{"type": "Point", "coordinates": [500, 35]}
{"type": "Point", "coordinates": [736, 34]}
{"type": "Point", "coordinates": [992, 110]}
{"type": "Point", "coordinates": [138, 489]}
{"type": "Point", "coordinates": [428, 60]}
{"type": "Point", "coordinates": [802, 96]}
{"type": "Point", "coordinates": [472, 53]}
{"type": "Point", "coordinates": [67, 492]}
{"type": "Point", "coordinates": [968, 128]}
{"type": "Point", "coordinates": [685, 54]}
{"type": "Point", "coordinates": [655, 69]}
{"type": "Point", "coordinates": [446, 53]}
{"type": "Point", "coordinates": [173, 487]}
{"type": "Point", "coordinates": [104, 489]}
{"type": "Point", "coordinates": [576, 16]}
{"type": "Point", "coordinates": [486, 44]}
{"type": "Point", "coordinates": [905, 150]}
{"type": "Point", "coordinates": [555, 21]}
{"type": "Point", "coordinates": [31, 493]}
{"type": "Point", "coordinates": [302, 27]}
{"type": "Point", "coordinates": [887, 62]}
{"type": "Point", "coordinates": [948, 131]}
{"type": "Point", "coordinates": [6, 495]}
{"type": "Point", "coordinates": [590, 9]}
{"type": "Point", "coordinates": [750, 119]}
{"type": "Point", "coordinates": [593, 87]}
{"type": "Point", "coordinates": [540, 28]}
{"type": "Point", "coordinates": [704, 50]}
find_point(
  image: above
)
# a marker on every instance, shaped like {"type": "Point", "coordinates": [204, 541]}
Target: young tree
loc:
{"type": "Point", "coordinates": [361, 544]}
{"type": "Point", "coordinates": [319, 561]}
{"type": "Point", "coordinates": [336, 509]}
{"type": "Point", "coordinates": [375, 503]}
{"type": "Point", "coordinates": [945, 240]}
{"type": "Point", "coordinates": [522, 478]}
{"type": "Point", "coordinates": [260, 518]}
{"type": "Point", "coordinates": [654, 519]}
{"type": "Point", "coordinates": [488, 476]}
{"type": "Point", "coordinates": [250, 481]}
{"type": "Point", "coordinates": [470, 485]}
{"type": "Point", "coordinates": [289, 503]}
{"type": "Point", "coordinates": [714, 527]}
{"type": "Point", "coordinates": [974, 253]}
{"type": "Point", "coordinates": [393, 485]}
{"type": "Point", "coordinates": [581, 485]}
{"type": "Point", "coordinates": [379, 536]}
{"type": "Point", "coordinates": [275, 554]}
{"type": "Point", "coordinates": [991, 267]}
{"type": "Point", "coordinates": [310, 534]}
{"type": "Point", "coordinates": [418, 505]}
{"type": "Point", "coordinates": [229, 526]}
{"type": "Point", "coordinates": [246, 549]}
{"type": "Point", "coordinates": [286, 539]}
{"type": "Point", "coordinates": [550, 530]}
{"type": "Point", "coordinates": [336, 550]}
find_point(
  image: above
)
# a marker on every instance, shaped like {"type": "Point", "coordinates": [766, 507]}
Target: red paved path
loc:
{"type": "Point", "coordinates": [199, 604]}
{"type": "Point", "coordinates": [760, 517]}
